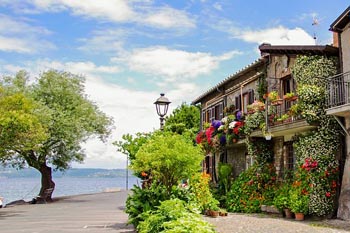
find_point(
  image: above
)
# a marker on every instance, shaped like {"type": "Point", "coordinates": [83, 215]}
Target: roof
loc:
{"type": "Point", "coordinates": [341, 21]}
{"type": "Point", "coordinates": [299, 49]}
{"type": "Point", "coordinates": [254, 64]}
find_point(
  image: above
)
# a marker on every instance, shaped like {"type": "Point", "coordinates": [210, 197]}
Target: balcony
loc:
{"type": "Point", "coordinates": [338, 98]}
{"type": "Point", "coordinates": [288, 125]}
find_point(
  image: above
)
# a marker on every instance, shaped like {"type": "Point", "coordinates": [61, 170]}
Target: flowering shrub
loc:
{"type": "Point", "coordinates": [252, 188]}
{"type": "Point", "coordinates": [227, 131]}
{"type": "Point", "coordinates": [316, 150]}
{"type": "Point", "coordinates": [199, 186]}
{"type": "Point", "coordinates": [256, 106]}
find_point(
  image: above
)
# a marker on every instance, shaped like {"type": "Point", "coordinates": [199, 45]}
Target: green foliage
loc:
{"type": "Point", "coordinates": [254, 121]}
{"type": "Point", "coordinates": [21, 126]}
{"type": "Point", "coordinates": [314, 70]}
{"type": "Point", "coordinates": [260, 150]}
{"type": "Point", "coordinates": [49, 120]}
{"type": "Point", "coordinates": [130, 145]}
{"type": "Point", "coordinates": [168, 158]}
{"type": "Point", "coordinates": [282, 200]}
{"type": "Point", "coordinates": [174, 216]}
{"type": "Point", "coordinates": [182, 118]}
{"type": "Point", "coordinates": [320, 145]}
{"type": "Point", "coordinates": [199, 186]}
{"type": "Point", "coordinates": [252, 188]}
{"type": "Point", "coordinates": [262, 87]}
{"type": "Point", "coordinates": [143, 200]}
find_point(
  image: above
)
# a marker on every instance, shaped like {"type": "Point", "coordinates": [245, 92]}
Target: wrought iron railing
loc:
{"type": "Point", "coordinates": [338, 88]}
{"type": "Point", "coordinates": [278, 118]}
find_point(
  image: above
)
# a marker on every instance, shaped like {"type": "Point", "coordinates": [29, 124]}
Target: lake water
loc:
{"type": "Point", "coordinates": [12, 189]}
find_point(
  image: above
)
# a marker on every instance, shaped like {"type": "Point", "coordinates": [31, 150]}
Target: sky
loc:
{"type": "Point", "coordinates": [130, 51]}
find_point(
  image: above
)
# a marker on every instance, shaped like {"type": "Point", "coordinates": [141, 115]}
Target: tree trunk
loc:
{"type": "Point", "coordinates": [46, 182]}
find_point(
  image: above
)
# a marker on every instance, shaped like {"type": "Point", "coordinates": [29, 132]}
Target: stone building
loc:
{"type": "Point", "coordinates": [339, 102]}
{"type": "Point", "coordinates": [239, 90]}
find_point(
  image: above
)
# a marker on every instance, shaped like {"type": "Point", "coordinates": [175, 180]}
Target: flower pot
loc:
{"type": "Point", "coordinates": [277, 102]}
{"type": "Point", "coordinates": [288, 213]}
{"type": "Point", "coordinates": [214, 213]}
{"type": "Point", "coordinates": [299, 216]}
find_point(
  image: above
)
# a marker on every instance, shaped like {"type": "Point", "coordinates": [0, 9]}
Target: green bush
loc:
{"type": "Point", "coordinates": [143, 200]}
{"type": "Point", "coordinates": [251, 189]}
{"type": "Point", "coordinates": [282, 200]}
{"type": "Point", "coordinates": [174, 216]}
{"type": "Point", "coordinates": [168, 158]}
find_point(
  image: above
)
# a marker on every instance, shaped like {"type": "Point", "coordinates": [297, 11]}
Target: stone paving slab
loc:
{"type": "Point", "coordinates": [245, 223]}
{"type": "Point", "coordinates": [101, 212]}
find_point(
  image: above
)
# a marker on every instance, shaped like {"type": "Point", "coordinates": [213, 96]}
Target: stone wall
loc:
{"type": "Point", "coordinates": [236, 156]}
{"type": "Point", "coordinates": [344, 199]}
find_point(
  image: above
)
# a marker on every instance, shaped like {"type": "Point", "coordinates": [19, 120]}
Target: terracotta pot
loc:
{"type": "Point", "coordinates": [214, 213]}
{"type": "Point", "coordinates": [288, 213]}
{"type": "Point", "coordinates": [299, 216]}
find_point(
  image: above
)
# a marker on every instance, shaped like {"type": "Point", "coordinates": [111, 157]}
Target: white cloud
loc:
{"type": "Point", "coordinates": [20, 37]}
{"type": "Point", "coordinates": [278, 36]}
{"type": "Point", "coordinates": [174, 64]}
{"type": "Point", "coordinates": [217, 6]}
{"type": "Point", "coordinates": [105, 41]}
{"type": "Point", "coordinates": [141, 11]}
{"type": "Point", "coordinates": [167, 17]}
{"type": "Point", "coordinates": [132, 111]}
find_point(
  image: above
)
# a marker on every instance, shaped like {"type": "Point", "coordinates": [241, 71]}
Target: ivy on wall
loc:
{"type": "Point", "coordinates": [320, 145]}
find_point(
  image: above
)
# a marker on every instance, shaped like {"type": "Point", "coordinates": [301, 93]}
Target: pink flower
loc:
{"type": "Point", "coordinates": [328, 194]}
{"type": "Point", "coordinates": [209, 132]}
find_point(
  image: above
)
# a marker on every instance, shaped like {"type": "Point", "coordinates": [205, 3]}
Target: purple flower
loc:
{"type": "Point", "coordinates": [223, 140]}
{"type": "Point", "coordinates": [239, 115]}
{"type": "Point", "coordinates": [216, 124]}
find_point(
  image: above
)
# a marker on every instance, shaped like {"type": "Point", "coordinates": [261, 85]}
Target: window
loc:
{"type": "Point", "coordinates": [211, 113]}
{"type": "Point", "coordinates": [288, 86]}
{"type": "Point", "coordinates": [290, 158]}
{"type": "Point", "coordinates": [248, 98]}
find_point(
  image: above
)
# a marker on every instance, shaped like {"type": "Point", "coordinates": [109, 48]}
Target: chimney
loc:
{"type": "Point", "coordinates": [335, 39]}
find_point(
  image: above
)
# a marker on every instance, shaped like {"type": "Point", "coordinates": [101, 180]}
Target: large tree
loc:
{"type": "Point", "coordinates": [65, 115]}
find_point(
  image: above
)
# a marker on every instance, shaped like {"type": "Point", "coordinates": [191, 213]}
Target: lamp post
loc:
{"type": "Point", "coordinates": [162, 104]}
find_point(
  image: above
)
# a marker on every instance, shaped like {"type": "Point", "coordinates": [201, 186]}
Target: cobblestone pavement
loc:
{"type": "Point", "coordinates": [245, 223]}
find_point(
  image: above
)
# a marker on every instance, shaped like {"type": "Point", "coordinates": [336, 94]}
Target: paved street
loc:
{"type": "Point", "coordinates": [101, 212]}
{"type": "Point", "coordinates": [244, 223]}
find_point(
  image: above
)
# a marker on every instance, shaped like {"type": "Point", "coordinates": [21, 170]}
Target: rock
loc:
{"type": "Point", "coordinates": [344, 204]}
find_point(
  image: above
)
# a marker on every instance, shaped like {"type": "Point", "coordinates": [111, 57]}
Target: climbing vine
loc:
{"type": "Point", "coordinates": [316, 150]}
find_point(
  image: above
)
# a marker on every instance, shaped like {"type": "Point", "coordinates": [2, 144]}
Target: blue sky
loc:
{"type": "Point", "coordinates": [132, 50]}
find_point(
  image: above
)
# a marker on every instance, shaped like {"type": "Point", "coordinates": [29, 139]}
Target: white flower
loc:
{"type": "Point", "coordinates": [224, 120]}
{"type": "Point", "coordinates": [221, 128]}
{"type": "Point", "coordinates": [232, 124]}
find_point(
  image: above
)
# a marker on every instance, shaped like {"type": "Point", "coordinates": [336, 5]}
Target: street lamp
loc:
{"type": "Point", "coordinates": [162, 104]}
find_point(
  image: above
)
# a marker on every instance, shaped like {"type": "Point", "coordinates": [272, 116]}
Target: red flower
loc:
{"type": "Point", "coordinates": [314, 164]}
{"type": "Point", "coordinates": [143, 174]}
{"type": "Point", "coordinates": [334, 184]}
{"type": "Point", "coordinates": [326, 173]}
{"type": "Point", "coordinates": [209, 132]}
{"type": "Point", "coordinates": [199, 137]}
{"type": "Point", "coordinates": [328, 194]}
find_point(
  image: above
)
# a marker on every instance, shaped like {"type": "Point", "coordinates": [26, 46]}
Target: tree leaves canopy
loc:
{"type": "Point", "coordinates": [59, 117]}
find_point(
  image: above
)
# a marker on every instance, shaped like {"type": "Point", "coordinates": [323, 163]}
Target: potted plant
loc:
{"type": "Point", "coordinates": [294, 110]}
{"type": "Point", "coordinates": [283, 117]}
{"type": "Point", "coordinates": [282, 200]}
{"type": "Point", "coordinates": [299, 203]}
{"type": "Point", "coordinates": [275, 98]}
{"type": "Point", "coordinates": [290, 96]}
